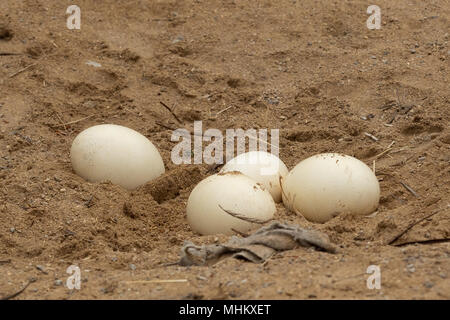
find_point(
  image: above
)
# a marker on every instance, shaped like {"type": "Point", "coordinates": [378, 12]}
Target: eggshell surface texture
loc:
{"type": "Point", "coordinates": [234, 192]}
{"type": "Point", "coordinates": [263, 167]}
{"type": "Point", "coordinates": [115, 153]}
{"type": "Point", "coordinates": [325, 185]}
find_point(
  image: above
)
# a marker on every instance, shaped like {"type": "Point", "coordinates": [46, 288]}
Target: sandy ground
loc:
{"type": "Point", "coordinates": [309, 68]}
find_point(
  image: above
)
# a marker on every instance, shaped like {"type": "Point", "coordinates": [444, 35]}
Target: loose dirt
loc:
{"type": "Point", "coordinates": [309, 68]}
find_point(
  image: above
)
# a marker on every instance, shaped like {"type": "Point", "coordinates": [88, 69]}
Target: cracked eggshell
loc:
{"type": "Point", "coordinates": [115, 153]}
{"type": "Point", "coordinates": [263, 167]}
{"type": "Point", "coordinates": [325, 185]}
{"type": "Point", "coordinates": [234, 192]}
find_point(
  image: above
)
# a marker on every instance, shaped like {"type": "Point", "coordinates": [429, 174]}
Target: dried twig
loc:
{"type": "Point", "coordinates": [171, 111]}
{"type": "Point", "coordinates": [371, 136]}
{"type": "Point", "coordinates": [10, 54]}
{"type": "Point", "coordinates": [242, 234]}
{"type": "Point", "coordinates": [388, 149]}
{"type": "Point", "coordinates": [72, 122]}
{"type": "Point", "coordinates": [157, 281]}
{"type": "Point", "coordinates": [223, 110]}
{"type": "Point", "coordinates": [165, 126]}
{"type": "Point", "coordinates": [410, 226]}
{"type": "Point", "coordinates": [22, 70]}
{"type": "Point", "coordinates": [425, 241]}
{"type": "Point", "coordinates": [350, 277]}
{"type": "Point", "coordinates": [41, 269]}
{"type": "Point", "coordinates": [409, 189]}
{"type": "Point", "coordinates": [242, 217]}
{"type": "Point", "coordinates": [12, 296]}
{"type": "Point", "coordinates": [60, 120]}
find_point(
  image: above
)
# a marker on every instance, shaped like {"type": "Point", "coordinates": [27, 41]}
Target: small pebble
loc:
{"type": "Point", "coordinates": [178, 39]}
{"type": "Point", "coordinates": [410, 268]}
{"type": "Point", "coordinates": [58, 282]}
{"type": "Point", "coordinates": [428, 284]}
{"type": "Point", "coordinates": [93, 64]}
{"type": "Point", "coordinates": [412, 51]}
{"type": "Point", "coordinates": [41, 268]}
{"type": "Point", "coordinates": [12, 230]}
{"type": "Point", "coordinates": [132, 266]}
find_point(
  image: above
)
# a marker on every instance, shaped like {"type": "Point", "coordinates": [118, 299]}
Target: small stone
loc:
{"type": "Point", "coordinates": [12, 230]}
{"type": "Point", "coordinates": [412, 51]}
{"type": "Point", "coordinates": [58, 282]}
{"type": "Point", "coordinates": [178, 39]}
{"type": "Point", "coordinates": [41, 268]}
{"type": "Point", "coordinates": [93, 64]}
{"type": "Point", "coordinates": [114, 259]}
{"type": "Point", "coordinates": [132, 266]}
{"type": "Point", "coordinates": [428, 284]}
{"type": "Point", "coordinates": [411, 268]}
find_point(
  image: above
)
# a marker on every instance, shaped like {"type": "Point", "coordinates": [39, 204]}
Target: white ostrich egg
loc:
{"type": "Point", "coordinates": [263, 167]}
{"type": "Point", "coordinates": [115, 153]}
{"type": "Point", "coordinates": [325, 185]}
{"type": "Point", "coordinates": [230, 201]}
